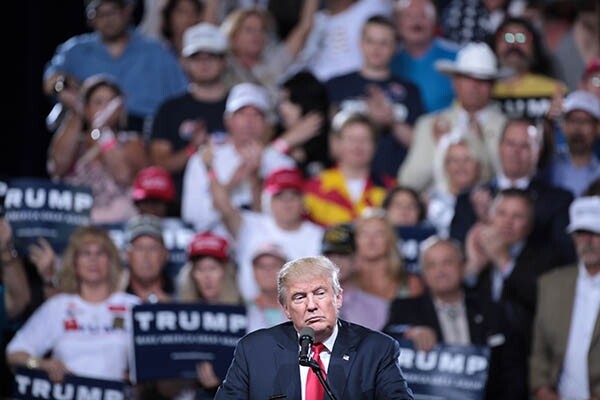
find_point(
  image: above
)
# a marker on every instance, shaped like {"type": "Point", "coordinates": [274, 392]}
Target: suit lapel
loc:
{"type": "Point", "coordinates": [342, 358]}
{"type": "Point", "coordinates": [287, 379]}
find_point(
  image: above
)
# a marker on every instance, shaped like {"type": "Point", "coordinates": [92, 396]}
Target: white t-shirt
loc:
{"type": "Point", "coordinates": [259, 228]}
{"type": "Point", "coordinates": [196, 199]}
{"type": "Point", "coordinates": [333, 46]}
{"type": "Point", "coordinates": [91, 339]}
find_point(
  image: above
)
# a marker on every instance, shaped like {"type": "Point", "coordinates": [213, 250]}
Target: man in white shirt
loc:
{"type": "Point", "coordinates": [565, 360]}
{"type": "Point", "coordinates": [239, 163]}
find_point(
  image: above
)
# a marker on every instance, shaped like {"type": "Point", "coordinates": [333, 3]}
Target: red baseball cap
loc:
{"type": "Point", "coordinates": [209, 244]}
{"type": "Point", "coordinates": [153, 183]}
{"type": "Point", "coordinates": [592, 67]}
{"type": "Point", "coordinates": [285, 178]}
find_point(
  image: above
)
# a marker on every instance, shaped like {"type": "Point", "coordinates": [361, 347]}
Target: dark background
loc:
{"type": "Point", "coordinates": [32, 30]}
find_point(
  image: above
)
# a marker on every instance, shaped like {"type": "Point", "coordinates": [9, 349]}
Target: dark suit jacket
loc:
{"type": "Point", "coordinates": [551, 216]}
{"type": "Point", "coordinates": [506, 373]}
{"type": "Point", "coordinates": [363, 365]}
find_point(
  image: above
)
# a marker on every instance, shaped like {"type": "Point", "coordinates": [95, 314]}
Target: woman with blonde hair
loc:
{"type": "Point", "coordinates": [459, 164]}
{"type": "Point", "coordinates": [86, 328]}
{"type": "Point", "coordinates": [380, 270]}
{"type": "Point", "coordinates": [254, 54]}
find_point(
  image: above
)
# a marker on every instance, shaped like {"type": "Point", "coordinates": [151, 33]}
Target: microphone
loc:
{"type": "Point", "coordinates": [307, 337]}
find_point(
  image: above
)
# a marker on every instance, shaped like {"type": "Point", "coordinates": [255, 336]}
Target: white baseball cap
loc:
{"type": "Point", "coordinates": [203, 37]}
{"type": "Point", "coordinates": [584, 214]}
{"type": "Point", "coordinates": [584, 101]}
{"type": "Point", "coordinates": [247, 94]}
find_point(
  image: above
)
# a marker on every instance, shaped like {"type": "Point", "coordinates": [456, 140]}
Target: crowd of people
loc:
{"type": "Point", "coordinates": [444, 155]}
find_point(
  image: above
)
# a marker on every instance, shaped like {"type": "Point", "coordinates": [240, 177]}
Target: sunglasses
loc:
{"type": "Point", "coordinates": [518, 37]}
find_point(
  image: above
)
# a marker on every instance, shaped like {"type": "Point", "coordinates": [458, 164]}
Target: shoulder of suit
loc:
{"type": "Point", "coordinates": [558, 275]}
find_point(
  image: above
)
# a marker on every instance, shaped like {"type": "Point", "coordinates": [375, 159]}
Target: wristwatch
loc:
{"type": "Point", "coordinates": [60, 84]}
{"type": "Point", "coordinates": [32, 362]}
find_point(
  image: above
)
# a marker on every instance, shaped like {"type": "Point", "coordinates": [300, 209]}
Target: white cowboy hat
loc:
{"type": "Point", "coordinates": [475, 60]}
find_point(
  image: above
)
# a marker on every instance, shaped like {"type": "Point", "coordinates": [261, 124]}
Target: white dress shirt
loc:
{"type": "Point", "coordinates": [573, 383]}
{"type": "Point", "coordinates": [325, 357]}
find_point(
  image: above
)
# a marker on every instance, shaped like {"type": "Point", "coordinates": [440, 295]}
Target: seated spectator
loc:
{"type": "Point", "coordinates": [339, 194]}
{"type": "Point", "coordinates": [142, 67]}
{"type": "Point", "coordinates": [264, 310]}
{"type": "Point", "coordinates": [253, 57]}
{"type": "Point", "coordinates": [147, 256]}
{"type": "Point", "coordinates": [392, 102]}
{"type": "Point", "coordinates": [282, 221]}
{"type": "Point", "coordinates": [240, 163]}
{"type": "Point", "coordinates": [445, 313]}
{"type": "Point", "coordinates": [153, 191]}
{"type": "Point", "coordinates": [175, 17]}
{"type": "Point", "coordinates": [565, 355]}
{"type": "Point", "coordinates": [85, 329]}
{"type": "Point", "coordinates": [459, 164]}
{"type": "Point", "coordinates": [519, 148]}
{"type": "Point", "coordinates": [528, 91]}
{"type": "Point", "coordinates": [359, 306]}
{"type": "Point", "coordinates": [504, 263]}
{"type": "Point", "coordinates": [576, 166]}
{"type": "Point", "coordinates": [91, 148]}
{"type": "Point", "coordinates": [380, 270]}
{"type": "Point", "coordinates": [304, 125]}
{"type": "Point", "coordinates": [473, 112]}
{"type": "Point", "coordinates": [404, 207]}
{"type": "Point", "coordinates": [191, 119]}
{"type": "Point", "coordinates": [420, 48]}
{"type": "Point", "coordinates": [208, 277]}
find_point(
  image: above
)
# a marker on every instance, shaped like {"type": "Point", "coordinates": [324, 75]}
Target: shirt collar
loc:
{"type": "Point", "coordinates": [505, 183]}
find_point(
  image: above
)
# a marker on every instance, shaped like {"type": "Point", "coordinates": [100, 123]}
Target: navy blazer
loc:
{"type": "Point", "coordinates": [551, 216]}
{"type": "Point", "coordinates": [363, 365]}
{"type": "Point", "coordinates": [487, 327]}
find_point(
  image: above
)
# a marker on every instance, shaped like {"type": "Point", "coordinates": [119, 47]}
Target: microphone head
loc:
{"type": "Point", "coordinates": [307, 333]}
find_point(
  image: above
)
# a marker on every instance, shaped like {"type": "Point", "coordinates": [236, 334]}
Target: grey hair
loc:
{"type": "Point", "coordinates": [306, 269]}
{"type": "Point", "coordinates": [433, 240]}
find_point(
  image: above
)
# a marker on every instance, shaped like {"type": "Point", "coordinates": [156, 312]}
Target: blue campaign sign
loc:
{"type": "Point", "coordinates": [409, 239]}
{"type": "Point", "coordinates": [177, 235]}
{"type": "Point", "coordinates": [448, 372]}
{"type": "Point", "coordinates": [42, 208]}
{"type": "Point", "coordinates": [34, 384]}
{"type": "Point", "coordinates": [170, 339]}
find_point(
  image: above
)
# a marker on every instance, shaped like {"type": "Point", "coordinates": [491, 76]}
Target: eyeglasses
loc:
{"type": "Point", "coordinates": [518, 37]}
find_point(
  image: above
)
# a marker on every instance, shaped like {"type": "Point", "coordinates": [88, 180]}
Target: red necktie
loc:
{"type": "Point", "coordinates": [314, 389]}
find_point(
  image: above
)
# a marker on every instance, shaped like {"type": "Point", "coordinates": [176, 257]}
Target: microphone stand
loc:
{"type": "Point", "coordinates": [317, 370]}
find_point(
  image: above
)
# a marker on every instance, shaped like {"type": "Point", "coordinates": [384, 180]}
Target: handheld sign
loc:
{"type": "Point", "coordinates": [42, 208]}
{"type": "Point", "coordinates": [170, 339]}
{"type": "Point", "coordinates": [448, 372]}
{"type": "Point", "coordinates": [34, 384]}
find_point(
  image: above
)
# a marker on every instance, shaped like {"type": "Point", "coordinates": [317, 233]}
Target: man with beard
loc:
{"type": "Point", "coordinates": [529, 90]}
{"type": "Point", "coordinates": [576, 166]}
{"type": "Point", "coordinates": [565, 360]}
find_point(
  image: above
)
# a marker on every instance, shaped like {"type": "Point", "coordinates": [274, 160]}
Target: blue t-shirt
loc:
{"type": "Point", "coordinates": [147, 72]}
{"type": "Point", "coordinates": [405, 95]}
{"type": "Point", "coordinates": [436, 88]}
